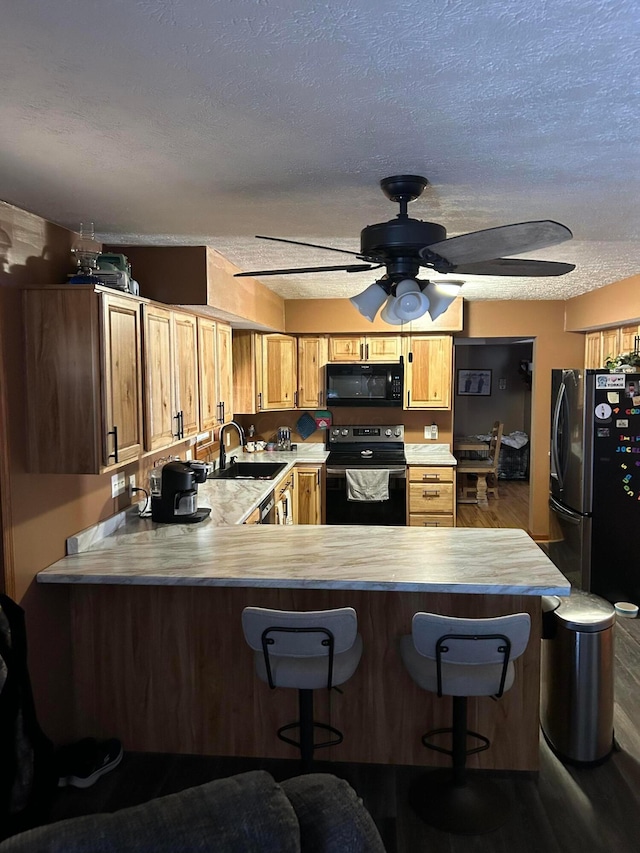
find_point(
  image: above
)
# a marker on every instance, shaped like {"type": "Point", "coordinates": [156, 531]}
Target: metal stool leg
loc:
{"type": "Point", "coordinates": [306, 727]}
{"type": "Point", "coordinates": [446, 799]}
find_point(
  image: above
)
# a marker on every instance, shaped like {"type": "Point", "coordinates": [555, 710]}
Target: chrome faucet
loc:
{"type": "Point", "coordinates": [241, 436]}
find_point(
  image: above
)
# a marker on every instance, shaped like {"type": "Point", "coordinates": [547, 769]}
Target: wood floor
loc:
{"type": "Point", "coordinates": [562, 810]}
{"type": "Point", "coordinates": [510, 510]}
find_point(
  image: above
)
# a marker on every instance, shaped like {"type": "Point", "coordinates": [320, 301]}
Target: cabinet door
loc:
{"type": "Point", "coordinates": [312, 358]}
{"type": "Point", "coordinates": [593, 350]}
{"type": "Point", "coordinates": [122, 379]}
{"type": "Point", "coordinates": [279, 381]}
{"type": "Point", "coordinates": [628, 335]}
{"type": "Point", "coordinates": [207, 366]}
{"type": "Point", "coordinates": [187, 395]}
{"type": "Point", "coordinates": [428, 372]}
{"type": "Point", "coordinates": [161, 425]}
{"type": "Point", "coordinates": [309, 494]}
{"type": "Point", "coordinates": [225, 373]}
{"type": "Point", "coordinates": [610, 344]}
{"type": "Point", "coordinates": [343, 348]}
{"type": "Point", "coordinates": [383, 348]}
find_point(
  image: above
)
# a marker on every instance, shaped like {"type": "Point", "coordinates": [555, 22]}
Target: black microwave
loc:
{"type": "Point", "coordinates": [364, 384]}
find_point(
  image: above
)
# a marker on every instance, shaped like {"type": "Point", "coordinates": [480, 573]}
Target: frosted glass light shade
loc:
{"type": "Point", "coordinates": [370, 301]}
{"type": "Point", "coordinates": [441, 295]}
{"type": "Point", "coordinates": [388, 313]}
{"type": "Point", "coordinates": [411, 302]}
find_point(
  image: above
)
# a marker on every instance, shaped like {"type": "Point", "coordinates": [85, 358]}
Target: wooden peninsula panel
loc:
{"type": "Point", "coordinates": [166, 668]}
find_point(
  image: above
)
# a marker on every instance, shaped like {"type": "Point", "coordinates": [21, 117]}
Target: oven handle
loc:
{"type": "Point", "coordinates": [341, 472]}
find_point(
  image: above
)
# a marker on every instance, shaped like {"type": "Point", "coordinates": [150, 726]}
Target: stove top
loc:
{"type": "Point", "coordinates": [366, 446]}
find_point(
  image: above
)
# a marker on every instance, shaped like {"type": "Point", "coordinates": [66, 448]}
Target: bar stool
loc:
{"type": "Point", "coordinates": [304, 650]}
{"type": "Point", "coordinates": [460, 658]}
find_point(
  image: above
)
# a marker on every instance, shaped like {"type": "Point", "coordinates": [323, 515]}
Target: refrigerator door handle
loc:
{"type": "Point", "coordinates": [565, 512]}
{"type": "Point", "coordinates": [555, 460]}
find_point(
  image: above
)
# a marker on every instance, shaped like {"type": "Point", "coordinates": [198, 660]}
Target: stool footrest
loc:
{"type": "Point", "coordinates": [485, 743]}
{"type": "Point", "coordinates": [338, 734]}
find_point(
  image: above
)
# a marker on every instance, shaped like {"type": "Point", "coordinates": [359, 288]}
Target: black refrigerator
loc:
{"type": "Point", "coordinates": [595, 481]}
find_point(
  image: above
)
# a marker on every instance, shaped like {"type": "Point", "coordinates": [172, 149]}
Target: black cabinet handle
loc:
{"type": "Point", "coordinates": [114, 433]}
{"type": "Point", "coordinates": [177, 418]}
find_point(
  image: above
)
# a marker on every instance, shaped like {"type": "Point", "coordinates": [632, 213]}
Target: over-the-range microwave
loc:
{"type": "Point", "coordinates": [370, 384]}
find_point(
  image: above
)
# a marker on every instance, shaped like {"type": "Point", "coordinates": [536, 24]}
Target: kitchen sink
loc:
{"type": "Point", "coordinates": [249, 471]}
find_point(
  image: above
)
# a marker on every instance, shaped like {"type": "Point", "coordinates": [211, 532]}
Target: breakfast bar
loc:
{"type": "Point", "coordinates": [160, 661]}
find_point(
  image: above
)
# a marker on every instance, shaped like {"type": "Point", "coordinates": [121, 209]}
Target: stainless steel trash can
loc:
{"type": "Point", "coordinates": [576, 710]}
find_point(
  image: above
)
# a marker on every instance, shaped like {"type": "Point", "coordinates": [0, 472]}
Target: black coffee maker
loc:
{"type": "Point", "coordinates": [178, 499]}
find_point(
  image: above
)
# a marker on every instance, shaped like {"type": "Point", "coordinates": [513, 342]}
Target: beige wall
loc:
{"type": "Point", "coordinates": [613, 305]}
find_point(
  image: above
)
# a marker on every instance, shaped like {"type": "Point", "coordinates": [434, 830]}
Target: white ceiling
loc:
{"type": "Point", "coordinates": [210, 121]}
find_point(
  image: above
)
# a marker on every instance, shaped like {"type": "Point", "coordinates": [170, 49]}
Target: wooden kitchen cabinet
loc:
{"type": "Point", "coordinates": [309, 482]}
{"type": "Point", "coordinates": [83, 379]}
{"type": "Point", "coordinates": [312, 358]}
{"type": "Point", "coordinates": [215, 373]}
{"type": "Point", "coordinates": [264, 372]}
{"type": "Point", "coordinates": [284, 494]}
{"type": "Point", "coordinates": [428, 371]}
{"type": "Point", "coordinates": [431, 496]}
{"type": "Point", "coordinates": [171, 398]}
{"type": "Point", "coordinates": [382, 348]}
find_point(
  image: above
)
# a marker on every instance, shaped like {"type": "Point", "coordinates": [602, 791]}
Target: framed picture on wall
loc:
{"type": "Point", "coordinates": [474, 383]}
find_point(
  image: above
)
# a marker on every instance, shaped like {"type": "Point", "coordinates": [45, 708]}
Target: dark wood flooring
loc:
{"type": "Point", "coordinates": [561, 810]}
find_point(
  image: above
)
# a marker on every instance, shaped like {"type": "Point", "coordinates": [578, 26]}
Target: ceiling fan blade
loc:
{"type": "Point", "coordinates": [514, 266]}
{"type": "Point", "coordinates": [311, 245]}
{"type": "Point", "coordinates": [348, 268]}
{"type": "Point", "coordinates": [496, 242]}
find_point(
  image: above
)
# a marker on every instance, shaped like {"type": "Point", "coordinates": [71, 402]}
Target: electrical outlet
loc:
{"type": "Point", "coordinates": [431, 432]}
{"type": "Point", "coordinates": [132, 484]}
{"type": "Point", "coordinates": [188, 454]}
{"type": "Point", "coordinates": [117, 484]}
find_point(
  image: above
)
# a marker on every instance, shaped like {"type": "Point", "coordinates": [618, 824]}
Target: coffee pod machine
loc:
{"type": "Point", "coordinates": [177, 502]}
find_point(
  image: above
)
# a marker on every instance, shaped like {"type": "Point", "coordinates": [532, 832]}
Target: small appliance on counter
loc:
{"type": "Point", "coordinates": [177, 502]}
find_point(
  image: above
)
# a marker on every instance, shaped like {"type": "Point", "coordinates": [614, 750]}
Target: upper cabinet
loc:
{"type": "Point", "coordinates": [279, 372]}
{"type": "Point", "coordinates": [312, 358]}
{"type": "Point", "coordinates": [171, 399]}
{"type": "Point", "coordinates": [428, 371]}
{"type": "Point", "coordinates": [83, 379]}
{"type": "Point", "coordinates": [383, 348]}
{"type": "Point", "coordinates": [214, 361]}
{"type": "Point", "coordinates": [608, 343]}
{"type": "Point", "coordinates": [264, 372]}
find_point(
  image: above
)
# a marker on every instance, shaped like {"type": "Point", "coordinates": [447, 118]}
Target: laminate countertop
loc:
{"type": "Point", "coordinates": [458, 560]}
{"type": "Point", "coordinates": [221, 551]}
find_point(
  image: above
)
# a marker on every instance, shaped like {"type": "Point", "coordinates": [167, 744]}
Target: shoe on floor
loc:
{"type": "Point", "coordinates": [83, 763]}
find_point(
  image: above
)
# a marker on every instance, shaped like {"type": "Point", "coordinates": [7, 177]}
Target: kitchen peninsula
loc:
{"type": "Point", "coordinates": [160, 661]}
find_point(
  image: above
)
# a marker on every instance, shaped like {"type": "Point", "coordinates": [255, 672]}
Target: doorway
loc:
{"type": "Point", "coordinates": [504, 394]}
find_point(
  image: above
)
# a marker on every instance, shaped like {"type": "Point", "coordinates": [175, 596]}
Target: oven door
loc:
{"type": "Point", "coordinates": [340, 510]}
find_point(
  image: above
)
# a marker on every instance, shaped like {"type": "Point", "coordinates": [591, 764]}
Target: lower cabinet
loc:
{"type": "Point", "coordinates": [309, 481]}
{"type": "Point", "coordinates": [284, 495]}
{"type": "Point", "coordinates": [431, 496]}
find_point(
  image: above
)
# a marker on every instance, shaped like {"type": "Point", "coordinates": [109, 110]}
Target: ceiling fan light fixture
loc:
{"type": "Point", "coordinates": [411, 302]}
{"type": "Point", "coordinates": [440, 295]}
{"type": "Point", "coordinates": [388, 313]}
{"type": "Point", "coordinates": [370, 301]}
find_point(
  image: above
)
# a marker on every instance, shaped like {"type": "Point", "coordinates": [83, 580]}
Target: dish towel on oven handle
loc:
{"type": "Point", "coordinates": [367, 484]}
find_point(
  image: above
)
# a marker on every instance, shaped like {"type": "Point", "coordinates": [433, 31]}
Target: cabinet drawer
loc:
{"type": "Point", "coordinates": [426, 520]}
{"type": "Point", "coordinates": [422, 474]}
{"type": "Point", "coordinates": [431, 497]}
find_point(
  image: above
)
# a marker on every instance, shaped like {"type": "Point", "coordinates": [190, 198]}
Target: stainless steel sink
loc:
{"type": "Point", "coordinates": [249, 471]}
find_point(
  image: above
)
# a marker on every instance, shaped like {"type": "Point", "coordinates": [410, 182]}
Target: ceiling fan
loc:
{"type": "Point", "coordinates": [404, 245]}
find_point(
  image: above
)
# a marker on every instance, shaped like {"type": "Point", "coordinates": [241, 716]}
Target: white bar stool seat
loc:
{"type": "Point", "coordinates": [306, 651]}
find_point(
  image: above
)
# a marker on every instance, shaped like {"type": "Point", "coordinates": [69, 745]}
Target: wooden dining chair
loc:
{"type": "Point", "coordinates": [484, 470]}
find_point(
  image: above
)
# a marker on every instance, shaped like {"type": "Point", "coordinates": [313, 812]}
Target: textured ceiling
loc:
{"type": "Point", "coordinates": [210, 121]}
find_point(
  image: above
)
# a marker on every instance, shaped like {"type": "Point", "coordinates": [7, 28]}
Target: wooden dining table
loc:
{"type": "Point", "coordinates": [469, 443]}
